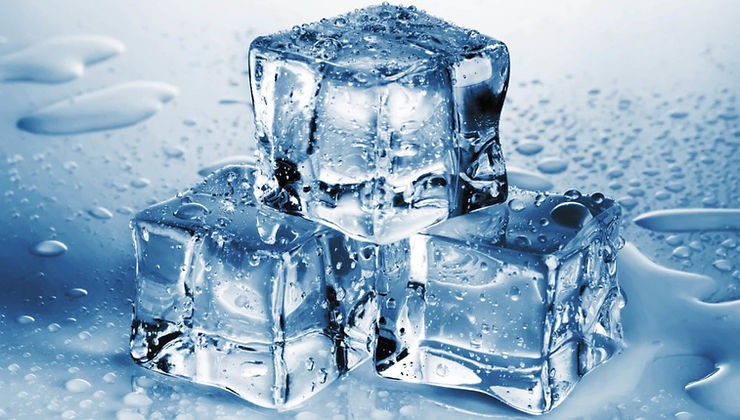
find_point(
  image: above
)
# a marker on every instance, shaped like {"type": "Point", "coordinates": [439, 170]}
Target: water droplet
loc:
{"type": "Point", "coordinates": [76, 292]}
{"type": "Point", "coordinates": [174, 152]}
{"type": "Point", "coordinates": [529, 148]}
{"type": "Point", "coordinates": [690, 220]}
{"type": "Point", "coordinates": [682, 252]}
{"type": "Point", "coordinates": [50, 248]}
{"type": "Point", "coordinates": [100, 213]}
{"type": "Point", "coordinates": [571, 214]}
{"type": "Point", "coordinates": [140, 182]}
{"type": "Point", "coordinates": [77, 385]}
{"type": "Point", "coordinates": [552, 165]}
{"type": "Point", "coordinates": [514, 293]}
{"type": "Point", "coordinates": [25, 319]}
{"type": "Point", "coordinates": [441, 370]}
{"type": "Point", "coordinates": [57, 60]}
{"type": "Point", "coordinates": [191, 211]}
{"type": "Point", "coordinates": [723, 265]}
{"type": "Point", "coordinates": [517, 205]}
{"type": "Point", "coordinates": [677, 115]}
{"type": "Point", "coordinates": [137, 399]}
{"type": "Point", "coordinates": [112, 107]}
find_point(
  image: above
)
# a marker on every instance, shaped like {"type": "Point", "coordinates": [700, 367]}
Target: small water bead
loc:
{"type": "Point", "coordinates": [100, 213]}
{"type": "Point", "coordinates": [552, 165]}
{"type": "Point", "coordinates": [174, 152]}
{"type": "Point", "coordinates": [137, 399]}
{"type": "Point", "coordinates": [677, 115]}
{"type": "Point", "coordinates": [723, 265]}
{"type": "Point", "coordinates": [517, 205]}
{"type": "Point", "coordinates": [77, 385]}
{"type": "Point", "coordinates": [681, 252]}
{"type": "Point", "coordinates": [529, 148]}
{"type": "Point", "coordinates": [674, 240]}
{"type": "Point", "coordinates": [729, 243]}
{"type": "Point", "coordinates": [441, 370]}
{"type": "Point", "coordinates": [49, 248]}
{"type": "Point", "coordinates": [128, 414]}
{"type": "Point", "coordinates": [76, 292]}
{"type": "Point", "coordinates": [628, 203]}
{"type": "Point", "coordinates": [514, 293]}
{"type": "Point", "coordinates": [191, 211]}
{"type": "Point", "coordinates": [572, 194]}
{"type": "Point", "coordinates": [54, 327]}
{"type": "Point", "coordinates": [25, 319]}
{"type": "Point", "coordinates": [522, 241]}
{"type": "Point", "coordinates": [140, 182]}
{"type": "Point", "coordinates": [110, 377]}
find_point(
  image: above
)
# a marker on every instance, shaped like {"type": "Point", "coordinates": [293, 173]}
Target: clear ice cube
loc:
{"type": "Point", "coordinates": [520, 315]}
{"type": "Point", "coordinates": [380, 122]}
{"type": "Point", "coordinates": [269, 306]}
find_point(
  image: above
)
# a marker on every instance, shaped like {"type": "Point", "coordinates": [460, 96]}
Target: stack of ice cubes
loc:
{"type": "Point", "coordinates": [377, 225]}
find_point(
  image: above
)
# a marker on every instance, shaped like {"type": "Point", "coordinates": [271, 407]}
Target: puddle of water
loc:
{"type": "Point", "coordinates": [112, 107]}
{"type": "Point", "coordinates": [57, 60]}
{"type": "Point", "coordinates": [689, 220]}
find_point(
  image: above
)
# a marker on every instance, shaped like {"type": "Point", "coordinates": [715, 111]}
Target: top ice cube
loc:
{"type": "Point", "coordinates": [379, 122]}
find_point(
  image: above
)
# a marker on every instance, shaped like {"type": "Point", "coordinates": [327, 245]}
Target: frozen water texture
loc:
{"type": "Point", "coordinates": [268, 306]}
{"type": "Point", "coordinates": [521, 315]}
{"type": "Point", "coordinates": [380, 122]}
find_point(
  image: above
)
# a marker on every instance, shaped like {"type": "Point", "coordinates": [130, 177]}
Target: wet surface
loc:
{"type": "Point", "coordinates": [638, 101]}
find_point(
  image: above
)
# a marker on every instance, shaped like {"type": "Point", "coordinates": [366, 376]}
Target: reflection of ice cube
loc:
{"type": "Point", "coordinates": [520, 316]}
{"type": "Point", "coordinates": [269, 306]}
{"type": "Point", "coordinates": [380, 122]}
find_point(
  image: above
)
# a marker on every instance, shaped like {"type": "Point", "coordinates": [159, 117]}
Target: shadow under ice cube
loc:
{"type": "Point", "coordinates": [380, 122]}
{"type": "Point", "coordinates": [268, 306]}
{"type": "Point", "coordinates": [521, 315]}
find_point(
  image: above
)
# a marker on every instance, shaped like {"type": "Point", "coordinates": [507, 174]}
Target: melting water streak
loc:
{"type": "Point", "coordinates": [689, 220]}
{"type": "Point", "coordinates": [57, 60]}
{"type": "Point", "coordinates": [112, 107]}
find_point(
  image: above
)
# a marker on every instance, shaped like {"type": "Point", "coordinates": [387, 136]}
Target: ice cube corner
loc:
{"type": "Point", "coordinates": [380, 122]}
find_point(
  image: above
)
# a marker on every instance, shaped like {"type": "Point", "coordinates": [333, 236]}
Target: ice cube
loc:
{"type": "Point", "coordinates": [521, 316]}
{"type": "Point", "coordinates": [269, 306]}
{"type": "Point", "coordinates": [380, 122]}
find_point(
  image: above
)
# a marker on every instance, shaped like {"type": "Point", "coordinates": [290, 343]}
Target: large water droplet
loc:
{"type": "Point", "coordinates": [571, 214]}
{"type": "Point", "coordinates": [57, 60]}
{"type": "Point", "coordinates": [112, 107]}
{"type": "Point", "coordinates": [191, 211]}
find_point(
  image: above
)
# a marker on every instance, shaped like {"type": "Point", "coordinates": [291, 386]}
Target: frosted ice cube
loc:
{"type": "Point", "coordinates": [521, 316]}
{"type": "Point", "coordinates": [380, 122]}
{"type": "Point", "coordinates": [269, 306]}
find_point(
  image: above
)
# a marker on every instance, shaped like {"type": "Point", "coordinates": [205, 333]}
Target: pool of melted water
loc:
{"type": "Point", "coordinates": [106, 109]}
